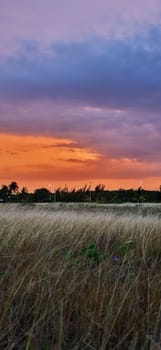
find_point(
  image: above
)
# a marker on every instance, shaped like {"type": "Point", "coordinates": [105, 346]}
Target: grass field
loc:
{"type": "Point", "coordinates": [80, 277]}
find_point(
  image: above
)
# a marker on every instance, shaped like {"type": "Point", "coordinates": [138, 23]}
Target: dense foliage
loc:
{"type": "Point", "coordinates": [12, 193]}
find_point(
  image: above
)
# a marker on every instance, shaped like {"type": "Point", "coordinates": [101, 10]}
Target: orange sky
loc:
{"type": "Point", "coordinates": [40, 161]}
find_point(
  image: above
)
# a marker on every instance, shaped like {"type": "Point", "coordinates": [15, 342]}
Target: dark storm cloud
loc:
{"type": "Point", "coordinates": [105, 95]}
{"type": "Point", "coordinates": [120, 73]}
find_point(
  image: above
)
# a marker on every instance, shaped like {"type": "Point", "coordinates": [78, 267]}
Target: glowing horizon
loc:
{"type": "Point", "coordinates": [36, 162]}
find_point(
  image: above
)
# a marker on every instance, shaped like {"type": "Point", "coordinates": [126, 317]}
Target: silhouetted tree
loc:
{"type": "Point", "coordinates": [13, 187]}
{"type": "Point", "coordinates": [42, 195]}
{"type": "Point", "coordinates": [4, 192]}
{"type": "Point", "coordinates": [11, 193]}
{"type": "Point", "coordinates": [24, 191]}
{"type": "Point", "coordinates": [24, 194]}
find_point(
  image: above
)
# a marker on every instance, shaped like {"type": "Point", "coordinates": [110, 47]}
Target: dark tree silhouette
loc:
{"type": "Point", "coordinates": [24, 191]}
{"type": "Point", "coordinates": [42, 195]}
{"type": "Point", "coordinates": [4, 192]}
{"type": "Point", "coordinates": [13, 187]}
{"type": "Point", "coordinates": [11, 193]}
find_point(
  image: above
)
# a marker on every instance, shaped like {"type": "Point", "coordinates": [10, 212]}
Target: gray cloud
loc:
{"type": "Point", "coordinates": [104, 95]}
{"type": "Point", "coordinates": [119, 73]}
{"type": "Point", "coordinates": [61, 20]}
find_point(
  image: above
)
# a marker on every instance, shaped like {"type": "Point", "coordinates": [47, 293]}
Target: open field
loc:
{"type": "Point", "coordinates": [80, 277]}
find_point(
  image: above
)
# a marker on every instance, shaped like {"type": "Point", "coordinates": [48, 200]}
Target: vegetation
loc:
{"type": "Point", "coordinates": [78, 277]}
{"type": "Point", "coordinates": [12, 193]}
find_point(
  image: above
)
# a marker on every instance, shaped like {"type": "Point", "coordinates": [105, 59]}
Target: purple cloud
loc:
{"type": "Point", "coordinates": [62, 20]}
{"type": "Point", "coordinates": [112, 133]}
{"type": "Point", "coordinates": [118, 73]}
{"type": "Point", "coordinates": [89, 75]}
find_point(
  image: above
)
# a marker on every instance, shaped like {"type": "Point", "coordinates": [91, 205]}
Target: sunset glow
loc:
{"type": "Point", "coordinates": [80, 93]}
{"type": "Point", "coordinates": [36, 161]}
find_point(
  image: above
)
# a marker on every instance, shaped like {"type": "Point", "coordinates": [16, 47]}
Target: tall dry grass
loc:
{"type": "Point", "coordinates": [79, 279]}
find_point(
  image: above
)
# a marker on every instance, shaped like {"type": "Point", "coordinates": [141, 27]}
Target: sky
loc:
{"type": "Point", "coordinates": [80, 93]}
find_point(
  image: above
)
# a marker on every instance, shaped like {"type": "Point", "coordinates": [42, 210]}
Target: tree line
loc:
{"type": "Point", "coordinates": [12, 193]}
